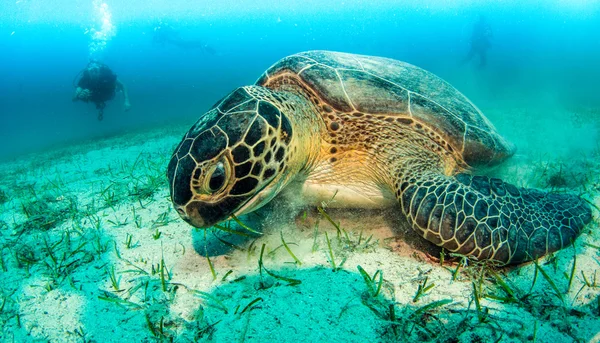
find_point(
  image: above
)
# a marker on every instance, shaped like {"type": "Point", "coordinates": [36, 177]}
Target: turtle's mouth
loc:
{"type": "Point", "coordinates": [204, 214]}
{"type": "Point", "coordinates": [262, 197]}
{"type": "Point", "coordinates": [253, 204]}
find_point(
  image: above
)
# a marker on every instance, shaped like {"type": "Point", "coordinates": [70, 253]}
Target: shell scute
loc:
{"type": "Point", "coordinates": [375, 85]}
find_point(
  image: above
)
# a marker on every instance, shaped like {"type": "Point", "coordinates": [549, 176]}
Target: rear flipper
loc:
{"type": "Point", "coordinates": [490, 219]}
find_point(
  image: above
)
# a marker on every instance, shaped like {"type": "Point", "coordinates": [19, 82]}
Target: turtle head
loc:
{"type": "Point", "coordinates": [233, 160]}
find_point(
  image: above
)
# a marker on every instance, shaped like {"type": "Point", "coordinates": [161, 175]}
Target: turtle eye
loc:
{"type": "Point", "coordinates": [216, 177]}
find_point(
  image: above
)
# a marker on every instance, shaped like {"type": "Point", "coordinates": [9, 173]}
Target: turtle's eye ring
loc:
{"type": "Point", "coordinates": [216, 177]}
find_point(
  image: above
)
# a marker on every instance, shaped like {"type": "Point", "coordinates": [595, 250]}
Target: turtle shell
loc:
{"type": "Point", "coordinates": [375, 85]}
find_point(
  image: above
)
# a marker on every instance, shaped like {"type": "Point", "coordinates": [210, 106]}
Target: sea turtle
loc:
{"type": "Point", "coordinates": [372, 132]}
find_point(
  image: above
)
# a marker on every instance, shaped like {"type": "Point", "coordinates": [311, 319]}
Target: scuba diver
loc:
{"type": "Point", "coordinates": [481, 38]}
{"type": "Point", "coordinates": [98, 84]}
{"type": "Point", "coordinates": [166, 34]}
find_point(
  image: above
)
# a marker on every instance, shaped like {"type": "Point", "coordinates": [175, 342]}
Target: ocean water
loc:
{"type": "Point", "coordinates": [543, 53]}
{"type": "Point", "coordinates": [91, 249]}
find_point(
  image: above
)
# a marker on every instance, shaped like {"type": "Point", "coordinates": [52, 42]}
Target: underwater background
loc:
{"type": "Point", "coordinates": [92, 250]}
{"type": "Point", "coordinates": [543, 54]}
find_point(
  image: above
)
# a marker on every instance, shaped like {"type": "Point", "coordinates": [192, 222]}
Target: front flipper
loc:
{"type": "Point", "coordinates": [490, 219]}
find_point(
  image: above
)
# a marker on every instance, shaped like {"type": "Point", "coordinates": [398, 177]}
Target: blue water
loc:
{"type": "Point", "coordinates": [540, 50]}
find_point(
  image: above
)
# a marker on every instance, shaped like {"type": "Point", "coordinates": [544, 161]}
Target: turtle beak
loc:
{"type": "Point", "coordinates": [204, 215]}
{"type": "Point", "coordinates": [196, 221]}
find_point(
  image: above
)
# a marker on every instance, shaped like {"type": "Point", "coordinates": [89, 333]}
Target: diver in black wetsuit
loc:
{"type": "Point", "coordinates": [98, 84]}
{"type": "Point", "coordinates": [166, 34]}
{"type": "Point", "coordinates": [481, 41]}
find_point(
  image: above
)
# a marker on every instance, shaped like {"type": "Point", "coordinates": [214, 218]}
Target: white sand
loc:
{"type": "Point", "coordinates": [68, 296]}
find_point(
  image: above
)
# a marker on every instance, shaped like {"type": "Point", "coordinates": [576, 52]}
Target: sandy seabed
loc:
{"type": "Point", "coordinates": [92, 251]}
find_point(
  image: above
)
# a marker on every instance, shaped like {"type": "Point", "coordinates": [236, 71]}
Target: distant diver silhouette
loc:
{"type": "Point", "coordinates": [481, 41]}
{"type": "Point", "coordinates": [98, 84]}
{"type": "Point", "coordinates": [166, 34]}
